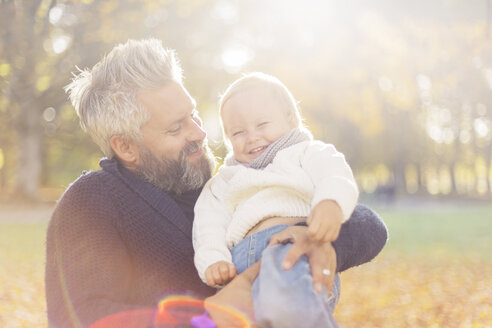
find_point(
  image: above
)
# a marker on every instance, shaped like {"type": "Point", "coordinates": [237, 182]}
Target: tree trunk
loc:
{"type": "Point", "coordinates": [420, 179]}
{"type": "Point", "coordinates": [401, 118]}
{"type": "Point", "coordinates": [29, 140]}
{"type": "Point", "coordinates": [399, 175]}
{"type": "Point", "coordinates": [488, 172]}
{"type": "Point", "coordinates": [25, 95]}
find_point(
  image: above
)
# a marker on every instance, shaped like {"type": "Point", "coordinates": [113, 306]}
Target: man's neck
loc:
{"type": "Point", "coordinates": [131, 166]}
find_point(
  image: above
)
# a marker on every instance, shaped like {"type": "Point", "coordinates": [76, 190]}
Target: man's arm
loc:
{"type": "Point", "coordinates": [361, 238]}
{"type": "Point", "coordinates": [87, 266]}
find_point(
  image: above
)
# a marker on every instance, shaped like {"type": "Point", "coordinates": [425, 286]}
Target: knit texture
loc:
{"type": "Point", "coordinates": [237, 198]}
{"type": "Point", "coordinates": [116, 243]}
{"type": "Point", "coordinates": [361, 238]}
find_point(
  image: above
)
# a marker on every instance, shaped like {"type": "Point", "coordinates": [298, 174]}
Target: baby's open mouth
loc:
{"type": "Point", "coordinates": [257, 149]}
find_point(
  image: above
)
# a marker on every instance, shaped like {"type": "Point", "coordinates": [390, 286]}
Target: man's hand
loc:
{"type": "Point", "coordinates": [233, 304]}
{"type": "Point", "coordinates": [325, 221]}
{"type": "Point", "coordinates": [322, 256]}
{"type": "Point", "coordinates": [220, 273]}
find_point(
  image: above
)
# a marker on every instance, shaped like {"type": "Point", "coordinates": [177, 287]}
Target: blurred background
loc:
{"type": "Point", "coordinates": [402, 88]}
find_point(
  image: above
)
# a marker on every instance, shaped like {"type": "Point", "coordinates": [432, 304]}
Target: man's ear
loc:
{"type": "Point", "coordinates": [125, 150]}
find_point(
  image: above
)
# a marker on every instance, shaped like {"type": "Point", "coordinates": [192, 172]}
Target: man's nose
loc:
{"type": "Point", "coordinates": [196, 132]}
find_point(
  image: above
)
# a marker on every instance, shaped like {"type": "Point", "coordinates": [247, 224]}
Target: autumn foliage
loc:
{"type": "Point", "coordinates": [426, 276]}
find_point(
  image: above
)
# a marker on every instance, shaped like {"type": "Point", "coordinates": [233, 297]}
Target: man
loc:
{"type": "Point", "coordinates": [120, 238]}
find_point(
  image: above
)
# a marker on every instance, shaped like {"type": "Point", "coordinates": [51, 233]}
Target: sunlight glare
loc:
{"type": "Point", "coordinates": [49, 114]}
{"type": "Point", "coordinates": [61, 43]}
{"type": "Point", "coordinates": [434, 132]}
{"type": "Point", "coordinates": [424, 82]}
{"type": "Point", "coordinates": [481, 127]}
{"type": "Point", "coordinates": [235, 57]}
{"type": "Point", "coordinates": [56, 14]}
{"type": "Point", "coordinates": [225, 11]}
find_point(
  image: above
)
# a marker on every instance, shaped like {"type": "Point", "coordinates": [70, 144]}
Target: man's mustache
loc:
{"type": "Point", "coordinates": [192, 147]}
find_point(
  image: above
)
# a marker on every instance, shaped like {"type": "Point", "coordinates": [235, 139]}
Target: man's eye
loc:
{"type": "Point", "coordinates": [174, 131]}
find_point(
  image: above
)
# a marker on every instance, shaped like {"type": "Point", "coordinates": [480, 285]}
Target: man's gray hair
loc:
{"type": "Point", "coordinates": [105, 97]}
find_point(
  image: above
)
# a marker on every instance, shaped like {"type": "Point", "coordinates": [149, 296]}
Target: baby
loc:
{"type": "Point", "coordinates": [276, 176]}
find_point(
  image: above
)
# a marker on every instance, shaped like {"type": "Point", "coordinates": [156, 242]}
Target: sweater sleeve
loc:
{"type": "Point", "coordinates": [361, 238]}
{"type": "Point", "coordinates": [209, 230]}
{"type": "Point", "coordinates": [331, 175]}
{"type": "Point", "coordinates": [87, 265]}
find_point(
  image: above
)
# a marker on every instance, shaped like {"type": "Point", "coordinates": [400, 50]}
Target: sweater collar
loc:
{"type": "Point", "coordinates": [155, 197]}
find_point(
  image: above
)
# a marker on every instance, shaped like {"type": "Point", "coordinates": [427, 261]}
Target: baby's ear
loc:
{"type": "Point", "coordinates": [292, 119]}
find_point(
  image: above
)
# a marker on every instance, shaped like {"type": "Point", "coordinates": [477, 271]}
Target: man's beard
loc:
{"type": "Point", "coordinates": [177, 176]}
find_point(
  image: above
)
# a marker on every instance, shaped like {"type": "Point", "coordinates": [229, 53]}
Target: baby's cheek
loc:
{"type": "Point", "coordinates": [237, 147]}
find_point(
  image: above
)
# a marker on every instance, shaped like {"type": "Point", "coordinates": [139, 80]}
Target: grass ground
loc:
{"type": "Point", "coordinates": [436, 270]}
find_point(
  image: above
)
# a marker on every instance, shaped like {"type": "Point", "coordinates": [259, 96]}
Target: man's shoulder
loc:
{"type": "Point", "coordinates": [87, 199]}
{"type": "Point", "coordinates": [88, 180]}
{"type": "Point", "coordinates": [88, 187]}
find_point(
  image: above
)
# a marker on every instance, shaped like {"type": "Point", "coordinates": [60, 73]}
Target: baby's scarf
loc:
{"type": "Point", "coordinates": [292, 137]}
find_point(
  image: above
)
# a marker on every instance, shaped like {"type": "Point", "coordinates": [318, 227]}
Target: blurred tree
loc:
{"type": "Point", "coordinates": [41, 42]}
{"type": "Point", "coordinates": [399, 85]}
{"type": "Point", "coordinates": [25, 26]}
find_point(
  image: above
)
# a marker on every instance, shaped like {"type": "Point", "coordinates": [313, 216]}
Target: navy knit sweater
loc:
{"type": "Point", "coordinates": [116, 243]}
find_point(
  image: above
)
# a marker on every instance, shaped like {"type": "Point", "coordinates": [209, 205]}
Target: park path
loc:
{"type": "Point", "coordinates": [25, 213]}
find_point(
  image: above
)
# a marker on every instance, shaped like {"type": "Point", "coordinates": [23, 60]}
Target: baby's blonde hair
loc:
{"type": "Point", "coordinates": [263, 81]}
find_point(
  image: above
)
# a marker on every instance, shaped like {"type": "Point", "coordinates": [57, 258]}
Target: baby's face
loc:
{"type": "Point", "coordinates": [253, 119]}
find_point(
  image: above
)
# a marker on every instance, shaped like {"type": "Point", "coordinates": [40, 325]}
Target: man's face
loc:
{"type": "Point", "coordinates": [173, 154]}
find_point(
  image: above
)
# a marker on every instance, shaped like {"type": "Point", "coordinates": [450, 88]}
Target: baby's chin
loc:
{"type": "Point", "coordinates": [249, 159]}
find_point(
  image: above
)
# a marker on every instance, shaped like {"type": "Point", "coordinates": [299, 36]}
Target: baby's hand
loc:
{"type": "Point", "coordinates": [325, 221]}
{"type": "Point", "coordinates": [220, 273]}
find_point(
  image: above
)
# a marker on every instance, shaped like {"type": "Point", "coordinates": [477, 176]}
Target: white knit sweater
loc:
{"type": "Point", "coordinates": [237, 198]}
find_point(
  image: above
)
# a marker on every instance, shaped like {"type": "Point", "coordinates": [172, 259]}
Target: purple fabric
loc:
{"type": "Point", "coordinates": [116, 243]}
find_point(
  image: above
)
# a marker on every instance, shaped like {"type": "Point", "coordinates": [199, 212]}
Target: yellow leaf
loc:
{"type": "Point", "coordinates": [43, 83]}
{"type": "Point", "coordinates": [4, 69]}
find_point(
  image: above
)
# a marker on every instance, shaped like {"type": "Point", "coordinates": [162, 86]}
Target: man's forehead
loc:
{"type": "Point", "coordinates": [172, 98]}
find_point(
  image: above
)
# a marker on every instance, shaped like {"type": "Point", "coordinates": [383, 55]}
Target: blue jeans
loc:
{"type": "Point", "coordinates": [284, 298]}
